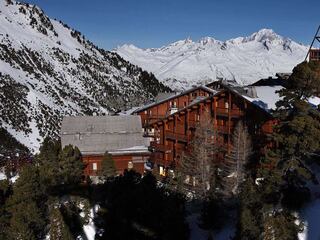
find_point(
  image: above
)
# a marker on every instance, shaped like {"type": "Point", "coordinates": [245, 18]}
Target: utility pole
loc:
{"type": "Point", "coordinates": [315, 38]}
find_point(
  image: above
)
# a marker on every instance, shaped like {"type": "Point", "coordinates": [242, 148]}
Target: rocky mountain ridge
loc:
{"type": "Point", "coordinates": [48, 70]}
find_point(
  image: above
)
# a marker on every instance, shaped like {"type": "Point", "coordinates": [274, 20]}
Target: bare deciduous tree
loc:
{"type": "Point", "coordinates": [235, 162]}
{"type": "Point", "coordinates": [198, 166]}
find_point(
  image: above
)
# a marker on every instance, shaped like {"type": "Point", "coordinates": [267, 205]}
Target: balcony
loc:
{"type": "Point", "coordinates": [223, 129]}
{"type": "Point", "coordinates": [225, 112]}
{"type": "Point", "coordinates": [160, 147]}
{"type": "Point", "coordinates": [176, 136]}
{"type": "Point", "coordinates": [162, 159]}
{"type": "Point", "coordinates": [148, 134]}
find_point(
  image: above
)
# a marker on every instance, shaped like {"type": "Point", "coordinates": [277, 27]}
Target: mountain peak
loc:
{"type": "Point", "coordinates": [263, 35]}
{"type": "Point", "coordinates": [244, 59]}
{"type": "Point", "coordinates": [208, 40]}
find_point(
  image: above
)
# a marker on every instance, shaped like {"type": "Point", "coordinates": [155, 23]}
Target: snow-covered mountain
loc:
{"type": "Point", "coordinates": [48, 70]}
{"type": "Point", "coordinates": [244, 59]}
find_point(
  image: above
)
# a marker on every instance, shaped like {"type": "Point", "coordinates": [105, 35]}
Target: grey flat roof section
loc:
{"type": "Point", "coordinates": [98, 134]}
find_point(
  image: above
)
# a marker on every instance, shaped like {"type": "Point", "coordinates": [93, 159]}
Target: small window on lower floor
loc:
{"type": "Point", "coordinates": [94, 166]}
{"type": "Point", "coordinates": [161, 171]}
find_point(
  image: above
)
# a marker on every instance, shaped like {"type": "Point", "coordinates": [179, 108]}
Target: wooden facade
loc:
{"type": "Point", "coordinates": [160, 110]}
{"type": "Point", "coordinates": [134, 161]}
{"type": "Point", "coordinates": [120, 136]}
{"type": "Point", "coordinates": [314, 55]}
{"type": "Point", "coordinates": [173, 134]}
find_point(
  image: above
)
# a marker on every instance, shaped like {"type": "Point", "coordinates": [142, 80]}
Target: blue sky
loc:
{"type": "Point", "coordinates": [154, 23]}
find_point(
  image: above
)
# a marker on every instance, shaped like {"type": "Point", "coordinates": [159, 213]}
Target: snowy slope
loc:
{"type": "Point", "coordinates": [48, 70]}
{"type": "Point", "coordinates": [244, 59]}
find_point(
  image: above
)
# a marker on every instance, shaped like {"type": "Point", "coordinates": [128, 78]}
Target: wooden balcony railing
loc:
{"type": "Point", "coordinates": [233, 112]}
{"type": "Point", "coordinates": [159, 147]}
{"type": "Point", "coordinates": [176, 136]}
{"type": "Point", "coordinates": [222, 129]}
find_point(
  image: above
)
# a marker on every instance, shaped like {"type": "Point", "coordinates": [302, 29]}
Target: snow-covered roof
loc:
{"type": "Point", "coordinates": [98, 134]}
{"type": "Point", "coordinates": [266, 97]}
{"type": "Point", "coordinates": [134, 149]}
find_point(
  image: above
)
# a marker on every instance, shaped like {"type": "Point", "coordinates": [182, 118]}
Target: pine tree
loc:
{"type": "Point", "coordinates": [281, 225]}
{"type": "Point", "coordinates": [70, 166]}
{"type": "Point", "coordinates": [48, 160]}
{"type": "Point", "coordinates": [5, 192]}
{"type": "Point", "coordinates": [234, 171]}
{"type": "Point", "coordinates": [58, 229]}
{"type": "Point", "coordinates": [108, 166]}
{"type": "Point", "coordinates": [27, 206]}
{"type": "Point", "coordinates": [297, 136]}
{"type": "Point", "coordinates": [250, 223]}
{"type": "Point", "coordinates": [298, 131]}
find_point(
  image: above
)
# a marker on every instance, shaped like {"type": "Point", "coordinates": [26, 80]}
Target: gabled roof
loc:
{"type": "Point", "coordinates": [98, 134]}
{"type": "Point", "coordinates": [205, 88]}
{"type": "Point", "coordinates": [263, 110]}
{"type": "Point", "coordinates": [270, 82]}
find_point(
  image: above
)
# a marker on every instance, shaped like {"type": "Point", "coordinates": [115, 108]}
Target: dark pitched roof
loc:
{"type": "Point", "coordinates": [205, 88]}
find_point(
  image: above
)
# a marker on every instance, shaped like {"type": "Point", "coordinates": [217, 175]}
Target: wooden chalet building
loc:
{"type": "Point", "coordinates": [314, 54]}
{"type": "Point", "coordinates": [164, 107]}
{"type": "Point", "coordinates": [171, 131]}
{"type": "Point", "coordinates": [121, 136]}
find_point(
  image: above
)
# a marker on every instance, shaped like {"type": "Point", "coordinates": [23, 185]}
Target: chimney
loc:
{"type": "Point", "coordinates": [252, 92]}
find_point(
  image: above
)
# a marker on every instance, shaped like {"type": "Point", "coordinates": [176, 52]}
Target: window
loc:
{"type": "Point", "coordinates": [161, 171]}
{"type": "Point", "coordinates": [145, 112]}
{"type": "Point", "coordinates": [226, 105]}
{"type": "Point", "coordinates": [94, 166]}
{"type": "Point", "coordinates": [130, 165]}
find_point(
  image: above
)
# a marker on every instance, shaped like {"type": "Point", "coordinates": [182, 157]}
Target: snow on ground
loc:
{"type": "Point", "coordinates": [310, 214]}
{"type": "Point", "coordinates": [196, 233]}
{"type": "Point", "coordinates": [311, 217]}
{"type": "Point", "coordinates": [90, 229]}
{"type": "Point", "coordinates": [2, 176]}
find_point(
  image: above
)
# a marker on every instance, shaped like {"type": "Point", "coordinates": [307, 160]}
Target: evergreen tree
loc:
{"type": "Point", "coordinates": [250, 220]}
{"type": "Point", "coordinates": [27, 206]}
{"type": "Point", "coordinates": [297, 136]}
{"type": "Point", "coordinates": [48, 160]}
{"type": "Point", "coordinates": [281, 225]}
{"type": "Point", "coordinates": [298, 131]}
{"type": "Point", "coordinates": [108, 166]}
{"type": "Point", "coordinates": [5, 192]}
{"type": "Point", "coordinates": [137, 208]}
{"type": "Point", "coordinates": [58, 229]}
{"type": "Point", "coordinates": [70, 166]}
